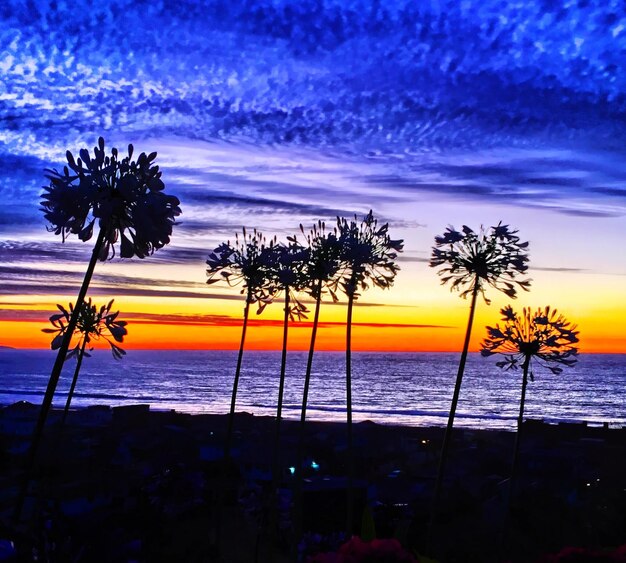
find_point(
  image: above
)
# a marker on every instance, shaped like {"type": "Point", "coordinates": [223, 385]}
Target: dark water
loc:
{"type": "Point", "coordinates": [393, 388]}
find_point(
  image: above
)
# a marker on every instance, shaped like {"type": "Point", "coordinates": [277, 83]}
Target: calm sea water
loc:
{"type": "Point", "coordinates": [393, 388]}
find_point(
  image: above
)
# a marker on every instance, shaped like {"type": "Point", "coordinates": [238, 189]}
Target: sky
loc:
{"type": "Point", "coordinates": [272, 114]}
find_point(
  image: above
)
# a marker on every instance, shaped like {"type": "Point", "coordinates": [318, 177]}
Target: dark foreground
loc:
{"type": "Point", "coordinates": [129, 484]}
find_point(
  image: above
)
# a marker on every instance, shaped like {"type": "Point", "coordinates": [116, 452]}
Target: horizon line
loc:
{"type": "Point", "coordinates": [373, 351]}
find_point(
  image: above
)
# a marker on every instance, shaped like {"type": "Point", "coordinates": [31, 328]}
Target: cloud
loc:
{"type": "Point", "coordinates": [271, 114]}
{"type": "Point", "coordinates": [134, 318]}
{"type": "Point", "coordinates": [558, 269]}
{"type": "Point", "coordinates": [24, 280]}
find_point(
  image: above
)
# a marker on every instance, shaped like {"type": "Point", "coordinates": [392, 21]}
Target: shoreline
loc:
{"type": "Point", "coordinates": [590, 423]}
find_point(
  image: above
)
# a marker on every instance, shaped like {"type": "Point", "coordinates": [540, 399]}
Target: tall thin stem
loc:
{"type": "Point", "coordinates": [54, 378]}
{"type": "Point", "coordinates": [70, 394]}
{"type": "Point", "coordinates": [350, 489]}
{"type": "Point", "coordinates": [309, 367]}
{"type": "Point", "coordinates": [455, 399]}
{"type": "Point", "coordinates": [276, 453]}
{"type": "Point", "coordinates": [520, 422]}
{"type": "Point", "coordinates": [298, 517]}
{"type": "Point", "coordinates": [233, 400]}
{"type": "Point", "coordinates": [283, 367]}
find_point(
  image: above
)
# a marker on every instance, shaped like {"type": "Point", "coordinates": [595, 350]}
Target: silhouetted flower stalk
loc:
{"type": "Point", "coordinates": [369, 255]}
{"type": "Point", "coordinates": [246, 263]}
{"type": "Point", "coordinates": [542, 337]}
{"type": "Point", "coordinates": [287, 273]}
{"type": "Point", "coordinates": [321, 276]}
{"type": "Point", "coordinates": [93, 324]}
{"type": "Point", "coordinates": [125, 198]}
{"type": "Point", "coordinates": [472, 262]}
{"type": "Point", "coordinates": [322, 269]}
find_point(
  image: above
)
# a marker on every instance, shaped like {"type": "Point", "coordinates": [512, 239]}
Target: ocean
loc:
{"type": "Point", "coordinates": [388, 388]}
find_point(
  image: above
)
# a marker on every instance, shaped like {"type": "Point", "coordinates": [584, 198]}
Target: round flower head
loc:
{"type": "Point", "coordinates": [368, 252]}
{"type": "Point", "coordinates": [92, 325]}
{"type": "Point", "coordinates": [125, 196]}
{"type": "Point", "coordinates": [324, 260]}
{"type": "Point", "coordinates": [544, 335]}
{"type": "Point", "coordinates": [494, 257]}
{"type": "Point", "coordinates": [288, 272]}
{"type": "Point", "coordinates": [247, 262]}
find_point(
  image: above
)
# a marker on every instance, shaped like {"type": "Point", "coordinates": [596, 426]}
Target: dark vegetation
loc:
{"type": "Point", "coordinates": [126, 484]}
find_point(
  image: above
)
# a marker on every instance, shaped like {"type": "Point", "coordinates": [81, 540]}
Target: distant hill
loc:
{"type": "Point", "coordinates": [7, 348]}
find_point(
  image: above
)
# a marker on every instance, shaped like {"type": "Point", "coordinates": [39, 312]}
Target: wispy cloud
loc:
{"type": "Point", "coordinates": [272, 114]}
{"type": "Point", "coordinates": [41, 315]}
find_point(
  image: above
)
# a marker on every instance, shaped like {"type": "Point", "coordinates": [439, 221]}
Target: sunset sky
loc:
{"type": "Point", "coordinates": [270, 114]}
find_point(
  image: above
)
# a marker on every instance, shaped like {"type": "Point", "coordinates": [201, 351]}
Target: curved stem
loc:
{"type": "Point", "coordinates": [70, 394]}
{"type": "Point", "coordinates": [233, 400]}
{"type": "Point", "coordinates": [350, 488]}
{"type": "Point", "coordinates": [54, 377]}
{"type": "Point", "coordinates": [455, 399]}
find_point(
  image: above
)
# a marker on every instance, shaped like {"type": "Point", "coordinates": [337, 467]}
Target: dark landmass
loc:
{"type": "Point", "coordinates": [130, 484]}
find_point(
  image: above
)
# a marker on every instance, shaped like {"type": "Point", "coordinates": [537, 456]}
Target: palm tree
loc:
{"type": "Point", "coordinates": [125, 198]}
{"type": "Point", "coordinates": [544, 337]}
{"type": "Point", "coordinates": [92, 325]}
{"type": "Point", "coordinates": [369, 254]}
{"type": "Point", "coordinates": [246, 263]}
{"type": "Point", "coordinates": [472, 262]}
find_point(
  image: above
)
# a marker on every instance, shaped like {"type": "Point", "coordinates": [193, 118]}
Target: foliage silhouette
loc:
{"type": "Point", "coordinates": [544, 337]}
{"type": "Point", "coordinates": [248, 263]}
{"type": "Point", "coordinates": [369, 254]}
{"type": "Point", "coordinates": [127, 200]}
{"type": "Point", "coordinates": [93, 324]}
{"type": "Point", "coordinates": [472, 262]}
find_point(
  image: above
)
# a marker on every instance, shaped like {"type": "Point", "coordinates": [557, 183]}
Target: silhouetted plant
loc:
{"type": "Point", "coordinates": [287, 272]}
{"type": "Point", "coordinates": [543, 337]}
{"type": "Point", "coordinates": [125, 198]}
{"type": "Point", "coordinates": [93, 324]}
{"type": "Point", "coordinates": [321, 277]}
{"type": "Point", "coordinates": [288, 275]}
{"type": "Point", "coordinates": [472, 262]}
{"type": "Point", "coordinates": [369, 254]}
{"type": "Point", "coordinates": [247, 263]}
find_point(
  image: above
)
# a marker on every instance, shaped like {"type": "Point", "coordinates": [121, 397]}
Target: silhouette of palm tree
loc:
{"type": "Point", "coordinates": [544, 337]}
{"type": "Point", "coordinates": [472, 262]}
{"type": "Point", "coordinates": [246, 263]}
{"type": "Point", "coordinates": [369, 254]}
{"type": "Point", "coordinates": [93, 324]}
{"type": "Point", "coordinates": [126, 199]}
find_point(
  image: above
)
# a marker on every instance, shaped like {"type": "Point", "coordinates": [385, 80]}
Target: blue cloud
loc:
{"type": "Point", "coordinates": [519, 103]}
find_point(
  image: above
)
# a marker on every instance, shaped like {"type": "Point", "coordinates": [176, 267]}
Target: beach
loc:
{"type": "Point", "coordinates": [131, 483]}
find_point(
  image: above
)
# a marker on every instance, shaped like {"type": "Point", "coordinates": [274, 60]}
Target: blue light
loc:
{"type": "Point", "coordinates": [292, 470]}
{"type": "Point", "coordinates": [315, 466]}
